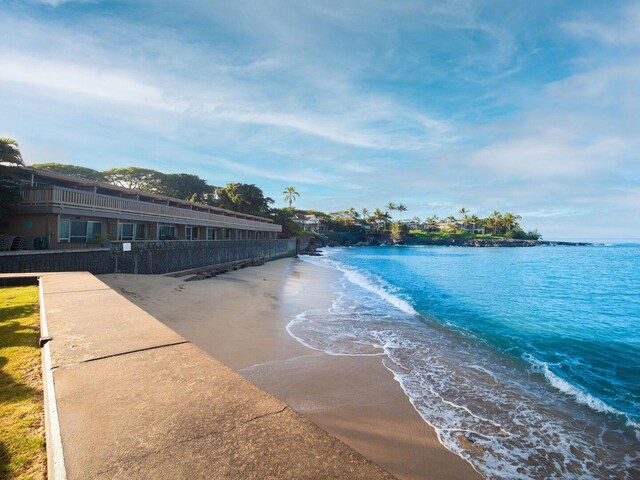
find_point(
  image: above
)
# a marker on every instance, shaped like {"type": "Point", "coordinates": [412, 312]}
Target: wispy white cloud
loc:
{"type": "Point", "coordinates": [298, 175]}
{"type": "Point", "coordinates": [625, 31]}
{"type": "Point", "coordinates": [434, 104]}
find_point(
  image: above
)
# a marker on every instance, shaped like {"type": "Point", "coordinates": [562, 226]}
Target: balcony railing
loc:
{"type": "Point", "coordinates": [52, 196]}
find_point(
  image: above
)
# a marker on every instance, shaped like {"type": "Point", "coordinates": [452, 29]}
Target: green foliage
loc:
{"type": "Point", "coordinates": [285, 217]}
{"type": "Point", "coordinates": [10, 186]}
{"type": "Point", "coordinates": [10, 152]}
{"type": "Point", "coordinates": [21, 410]}
{"type": "Point", "coordinates": [71, 170]}
{"type": "Point", "coordinates": [290, 195]}
{"type": "Point", "coordinates": [185, 187]}
{"type": "Point", "coordinates": [243, 198]}
{"type": "Point", "coordinates": [137, 178]}
{"type": "Point", "coordinates": [10, 191]}
{"type": "Point", "coordinates": [398, 230]}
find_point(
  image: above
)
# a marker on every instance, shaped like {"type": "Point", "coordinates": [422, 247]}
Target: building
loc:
{"type": "Point", "coordinates": [311, 223]}
{"type": "Point", "coordinates": [71, 212]}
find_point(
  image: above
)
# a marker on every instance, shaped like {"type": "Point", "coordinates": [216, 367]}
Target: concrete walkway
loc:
{"type": "Point", "coordinates": [136, 400]}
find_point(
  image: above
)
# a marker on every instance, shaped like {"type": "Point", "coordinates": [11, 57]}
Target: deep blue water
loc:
{"type": "Point", "coordinates": [525, 360]}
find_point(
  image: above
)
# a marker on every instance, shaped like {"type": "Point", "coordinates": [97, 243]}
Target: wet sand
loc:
{"type": "Point", "coordinates": [240, 318]}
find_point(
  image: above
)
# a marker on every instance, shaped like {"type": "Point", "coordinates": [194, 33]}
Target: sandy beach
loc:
{"type": "Point", "coordinates": [240, 319]}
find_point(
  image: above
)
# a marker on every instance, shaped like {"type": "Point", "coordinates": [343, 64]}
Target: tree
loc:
{"type": "Point", "coordinates": [494, 221]}
{"type": "Point", "coordinates": [377, 216]}
{"type": "Point", "coordinates": [290, 195]}
{"type": "Point", "coordinates": [432, 222]}
{"type": "Point", "coordinates": [144, 179]}
{"type": "Point", "coordinates": [285, 217]}
{"type": "Point", "coordinates": [401, 208]}
{"type": "Point", "coordinates": [243, 198]}
{"type": "Point", "coordinates": [10, 186]}
{"type": "Point", "coordinates": [365, 214]}
{"type": "Point", "coordinates": [510, 222]}
{"type": "Point", "coordinates": [71, 170]}
{"type": "Point", "coordinates": [184, 186]}
{"type": "Point", "coordinates": [10, 152]}
{"type": "Point", "coordinates": [465, 218]}
{"type": "Point", "coordinates": [390, 207]}
{"type": "Point", "coordinates": [398, 229]}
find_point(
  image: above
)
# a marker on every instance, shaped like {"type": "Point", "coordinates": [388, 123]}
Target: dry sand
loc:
{"type": "Point", "coordinates": [240, 318]}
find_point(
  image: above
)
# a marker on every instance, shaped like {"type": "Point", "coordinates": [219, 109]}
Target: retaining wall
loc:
{"type": "Point", "coordinates": [155, 257]}
{"type": "Point", "coordinates": [94, 260]}
{"type": "Point", "coordinates": [145, 257]}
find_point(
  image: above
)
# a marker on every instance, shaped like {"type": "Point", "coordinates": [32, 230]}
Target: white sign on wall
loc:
{"type": "Point", "coordinates": [126, 247]}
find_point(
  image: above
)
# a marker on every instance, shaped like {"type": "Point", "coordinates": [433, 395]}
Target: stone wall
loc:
{"type": "Point", "coordinates": [94, 260]}
{"type": "Point", "coordinates": [156, 257]}
{"type": "Point", "coordinates": [145, 257]}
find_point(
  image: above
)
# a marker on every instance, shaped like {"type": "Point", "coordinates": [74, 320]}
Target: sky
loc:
{"type": "Point", "coordinates": [520, 106]}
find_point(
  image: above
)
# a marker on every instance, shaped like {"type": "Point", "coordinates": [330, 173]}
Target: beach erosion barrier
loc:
{"type": "Point", "coordinates": [166, 256]}
{"type": "Point", "coordinates": [146, 257]}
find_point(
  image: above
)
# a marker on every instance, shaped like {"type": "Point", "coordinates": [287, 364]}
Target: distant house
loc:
{"type": "Point", "coordinates": [71, 212]}
{"type": "Point", "coordinates": [460, 225]}
{"type": "Point", "coordinates": [412, 224]}
{"type": "Point", "coordinates": [311, 223]}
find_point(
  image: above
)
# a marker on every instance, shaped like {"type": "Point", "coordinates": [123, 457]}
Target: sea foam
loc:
{"type": "Point", "coordinates": [491, 414]}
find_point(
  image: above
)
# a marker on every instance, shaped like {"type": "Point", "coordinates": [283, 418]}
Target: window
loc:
{"type": "Point", "coordinates": [126, 231]}
{"type": "Point", "coordinates": [167, 232]}
{"type": "Point", "coordinates": [191, 233]}
{"type": "Point", "coordinates": [211, 233]}
{"type": "Point", "coordinates": [140, 231]}
{"type": "Point", "coordinates": [131, 231]}
{"type": "Point", "coordinates": [227, 234]}
{"type": "Point", "coordinates": [78, 231]}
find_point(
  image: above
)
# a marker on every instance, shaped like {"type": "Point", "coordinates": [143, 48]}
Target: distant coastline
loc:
{"type": "Point", "coordinates": [310, 243]}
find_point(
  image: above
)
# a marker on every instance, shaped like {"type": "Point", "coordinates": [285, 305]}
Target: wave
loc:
{"type": "Point", "coordinates": [372, 283]}
{"type": "Point", "coordinates": [578, 394]}
{"type": "Point", "coordinates": [490, 414]}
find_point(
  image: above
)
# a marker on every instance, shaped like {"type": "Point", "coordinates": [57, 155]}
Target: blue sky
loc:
{"type": "Point", "coordinates": [529, 107]}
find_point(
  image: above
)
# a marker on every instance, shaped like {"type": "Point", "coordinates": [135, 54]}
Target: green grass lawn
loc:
{"type": "Point", "coordinates": [22, 434]}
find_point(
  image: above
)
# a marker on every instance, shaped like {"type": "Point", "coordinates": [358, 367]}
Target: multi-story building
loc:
{"type": "Point", "coordinates": [72, 212]}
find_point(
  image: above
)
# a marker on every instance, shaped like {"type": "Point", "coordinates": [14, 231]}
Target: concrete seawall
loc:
{"type": "Point", "coordinates": [136, 400]}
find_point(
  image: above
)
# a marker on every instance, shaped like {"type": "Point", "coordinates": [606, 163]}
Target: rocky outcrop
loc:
{"type": "Point", "coordinates": [312, 243]}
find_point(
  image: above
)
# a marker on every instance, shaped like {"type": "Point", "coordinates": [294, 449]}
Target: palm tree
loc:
{"type": "Point", "coordinates": [510, 221]}
{"type": "Point", "coordinates": [365, 214]}
{"type": "Point", "coordinates": [432, 222]}
{"type": "Point", "coordinates": [290, 195]}
{"type": "Point", "coordinates": [465, 218]}
{"type": "Point", "coordinates": [495, 221]}
{"type": "Point", "coordinates": [391, 207]}
{"type": "Point", "coordinates": [401, 208]}
{"type": "Point", "coordinates": [10, 152]}
{"type": "Point", "coordinates": [377, 217]}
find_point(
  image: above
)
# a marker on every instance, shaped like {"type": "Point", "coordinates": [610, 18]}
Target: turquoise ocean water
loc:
{"type": "Point", "coordinates": [526, 361]}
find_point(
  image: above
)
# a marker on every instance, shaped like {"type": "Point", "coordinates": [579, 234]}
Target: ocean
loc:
{"type": "Point", "coordinates": [526, 361]}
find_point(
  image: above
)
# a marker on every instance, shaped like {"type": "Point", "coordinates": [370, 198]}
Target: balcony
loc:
{"type": "Point", "coordinates": [58, 200]}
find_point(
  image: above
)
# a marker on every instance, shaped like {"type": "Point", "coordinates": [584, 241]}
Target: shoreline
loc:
{"type": "Point", "coordinates": [240, 319]}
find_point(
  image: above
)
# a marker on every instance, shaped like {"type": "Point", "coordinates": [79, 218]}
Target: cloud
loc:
{"type": "Point", "coordinates": [297, 175]}
{"type": "Point", "coordinates": [74, 79]}
{"type": "Point", "coordinates": [622, 32]}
